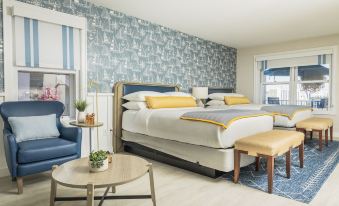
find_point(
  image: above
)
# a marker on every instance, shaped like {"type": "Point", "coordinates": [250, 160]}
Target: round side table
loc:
{"type": "Point", "coordinates": [90, 127]}
{"type": "Point", "coordinates": [123, 169]}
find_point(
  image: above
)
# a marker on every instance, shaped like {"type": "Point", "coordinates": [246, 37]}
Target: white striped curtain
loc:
{"type": "Point", "coordinates": [46, 45]}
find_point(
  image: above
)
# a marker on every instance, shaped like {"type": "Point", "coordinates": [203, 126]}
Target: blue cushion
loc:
{"type": "Point", "coordinates": [45, 149]}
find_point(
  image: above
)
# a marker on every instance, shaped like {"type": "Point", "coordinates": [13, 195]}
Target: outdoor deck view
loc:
{"type": "Point", "coordinates": [303, 85]}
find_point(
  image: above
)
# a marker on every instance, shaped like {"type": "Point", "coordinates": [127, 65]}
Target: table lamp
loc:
{"type": "Point", "coordinates": [201, 93]}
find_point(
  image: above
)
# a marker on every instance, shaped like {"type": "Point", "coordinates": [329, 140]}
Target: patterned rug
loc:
{"type": "Point", "coordinates": [304, 182]}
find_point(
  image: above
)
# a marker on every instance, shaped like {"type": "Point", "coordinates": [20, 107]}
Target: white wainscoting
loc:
{"type": "Point", "coordinates": [105, 105]}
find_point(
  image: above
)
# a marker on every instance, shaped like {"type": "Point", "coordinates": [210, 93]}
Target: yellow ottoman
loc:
{"type": "Point", "coordinates": [270, 145]}
{"type": "Point", "coordinates": [317, 124]}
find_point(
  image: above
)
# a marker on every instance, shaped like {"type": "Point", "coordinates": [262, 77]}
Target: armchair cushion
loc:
{"type": "Point", "coordinates": [34, 127]}
{"type": "Point", "coordinates": [45, 149]}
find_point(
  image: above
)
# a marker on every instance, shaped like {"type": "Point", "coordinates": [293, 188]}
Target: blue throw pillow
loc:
{"type": "Point", "coordinates": [34, 127]}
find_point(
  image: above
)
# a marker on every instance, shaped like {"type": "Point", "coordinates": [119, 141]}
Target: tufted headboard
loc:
{"type": "Point", "coordinates": [121, 89]}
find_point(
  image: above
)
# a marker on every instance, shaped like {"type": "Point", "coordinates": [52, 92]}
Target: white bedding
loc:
{"type": "Point", "coordinates": [166, 124]}
{"type": "Point", "coordinates": [280, 121]}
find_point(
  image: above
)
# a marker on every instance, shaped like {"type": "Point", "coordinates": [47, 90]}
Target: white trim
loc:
{"type": "Point", "coordinates": [4, 172]}
{"type": "Point", "coordinates": [295, 53]}
{"type": "Point", "coordinates": [100, 94]}
{"type": "Point", "coordinates": [47, 15]}
{"type": "Point", "coordinates": [257, 95]}
{"type": "Point", "coordinates": [46, 70]}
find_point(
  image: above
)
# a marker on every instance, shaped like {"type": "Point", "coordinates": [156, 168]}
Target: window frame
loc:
{"type": "Point", "coordinates": [259, 85]}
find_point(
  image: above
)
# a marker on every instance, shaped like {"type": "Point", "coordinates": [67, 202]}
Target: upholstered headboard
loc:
{"type": "Point", "coordinates": [122, 88]}
{"type": "Point", "coordinates": [220, 90]}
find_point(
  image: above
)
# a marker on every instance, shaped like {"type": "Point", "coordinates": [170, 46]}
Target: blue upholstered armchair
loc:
{"type": "Point", "coordinates": [34, 156]}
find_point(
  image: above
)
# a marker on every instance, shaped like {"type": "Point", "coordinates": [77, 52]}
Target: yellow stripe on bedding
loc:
{"type": "Point", "coordinates": [229, 122]}
{"type": "Point", "coordinates": [169, 102]}
{"type": "Point", "coordinates": [231, 100]}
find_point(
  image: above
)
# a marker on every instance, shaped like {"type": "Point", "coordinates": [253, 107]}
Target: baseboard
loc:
{"type": "Point", "coordinates": [4, 172]}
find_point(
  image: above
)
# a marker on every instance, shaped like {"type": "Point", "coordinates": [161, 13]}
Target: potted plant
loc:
{"type": "Point", "coordinates": [81, 106]}
{"type": "Point", "coordinates": [98, 161]}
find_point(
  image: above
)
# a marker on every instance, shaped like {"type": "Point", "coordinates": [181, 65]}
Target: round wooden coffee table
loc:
{"type": "Point", "coordinates": [123, 169]}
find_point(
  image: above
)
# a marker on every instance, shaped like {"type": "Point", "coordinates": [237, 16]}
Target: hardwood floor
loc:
{"type": "Point", "coordinates": [173, 186]}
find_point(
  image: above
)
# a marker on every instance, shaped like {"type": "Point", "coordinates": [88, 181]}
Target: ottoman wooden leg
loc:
{"type": "Point", "coordinates": [320, 140]}
{"type": "Point", "coordinates": [257, 163]}
{"type": "Point", "coordinates": [311, 135]}
{"type": "Point", "coordinates": [270, 172]}
{"type": "Point", "coordinates": [236, 165]}
{"type": "Point", "coordinates": [326, 137]}
{"type": "Point", "coordinates": [301, 155]}
{"type": "Point", "coordinates": [331, 133]}
{"type": "Point", "coordinates": [288, 163]}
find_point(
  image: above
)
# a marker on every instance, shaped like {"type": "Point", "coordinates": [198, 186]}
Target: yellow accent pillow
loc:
{"type": "Point", "coordinates": [231, 100]}
{"type": "Point", "coordinates": [169, 102]}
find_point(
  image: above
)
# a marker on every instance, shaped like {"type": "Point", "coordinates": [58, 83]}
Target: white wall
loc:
{"type": "Point", "coordinates": [245, 64]}
{"type": "Point", "coordinates": [105, 102]}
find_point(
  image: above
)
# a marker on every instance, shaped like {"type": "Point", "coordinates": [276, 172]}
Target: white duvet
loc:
{"type": "Point", "coordinates": [166, 124]}
{"type": "Point", "coordinates": [279, 121]}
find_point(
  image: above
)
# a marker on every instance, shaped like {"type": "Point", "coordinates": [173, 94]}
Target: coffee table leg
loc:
{"type": "Point", "coordinates": [150, 172]}
{"type": "Point", "coordinates": [53, 189]}
{"type": "Point", "coordinates": [90, 194]}
{"type": "Point", "coordinates": [113, 189]}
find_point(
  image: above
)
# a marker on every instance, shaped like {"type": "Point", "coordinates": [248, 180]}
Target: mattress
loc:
{"type": "Point", "coordinates": [279, 121]}
{"type": "Point", "coordinates": [219, 159]}
{"type": "Point", "coordinates": [166, 124]}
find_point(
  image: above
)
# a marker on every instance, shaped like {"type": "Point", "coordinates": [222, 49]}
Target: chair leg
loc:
{"type": "Point", "coordinates": [320, 140]}
{"type": "Point", "coordinates": [20, 184]}
{"type": "Point", "coordinates": [270, 172]}
{"type": "Point", "coordinates": [301, 154]}
{"type": "Point", "coordinates": [288, 163]}
{"type": "Point", "coordinates": [326, 137]}
{"type": "Point", "coordinates": [257, 163]}
{"type": "Point", "coordinates": [236, 166]}
{"type": "Point", "coordinates": [331, 133]}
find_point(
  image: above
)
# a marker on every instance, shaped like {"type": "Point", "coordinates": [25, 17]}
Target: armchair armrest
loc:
{"type": "Point", "coordinates": [73, 134]}
{"type": "Point", "coordinates": [11, 149]}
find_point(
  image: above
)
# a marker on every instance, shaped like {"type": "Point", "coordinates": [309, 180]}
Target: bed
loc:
{"type": "Point", "coordinates": [161, 135]}
{"type": "Point", "coordinates": [279, 121]}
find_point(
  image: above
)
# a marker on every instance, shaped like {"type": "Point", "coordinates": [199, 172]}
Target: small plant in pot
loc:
{"type": "Point", "coordinates": [81, 106]}
{"type": "Point", "coordinates": [98, 161]}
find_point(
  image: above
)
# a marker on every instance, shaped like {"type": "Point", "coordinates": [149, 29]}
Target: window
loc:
{"type": "Point", "coordinates": [298, 80]}
{"type": "Point", "coordinates": [47, 87]}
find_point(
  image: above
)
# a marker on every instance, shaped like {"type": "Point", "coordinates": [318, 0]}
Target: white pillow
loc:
{"type": "Point", "coordinates": [179, 94]}
{"type": "Point", "coordinates": [215, 102]}
{"type": "Point", "coordinates": [221, 96]}
{"type": "Point", "coordinates": [140, 96]}
{"type": "Point", "coordinates": [135, 105]}
{"type": "Point", "coordinates": [34, 127]}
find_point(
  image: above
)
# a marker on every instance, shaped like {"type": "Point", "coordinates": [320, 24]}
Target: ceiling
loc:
{"type": "Point", "coordinates": [237, 23]}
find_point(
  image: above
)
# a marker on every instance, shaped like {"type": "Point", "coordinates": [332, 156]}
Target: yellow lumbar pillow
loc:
{"type": "Point", "coordinates": [169, 102]}
{"type": "Point", "coordinates": [231, 100]}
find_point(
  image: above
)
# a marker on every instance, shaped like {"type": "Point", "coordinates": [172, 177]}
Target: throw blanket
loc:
{"type": "Point", "coordinates": [285, 110]}
{"type": "Point", "coordinates": [223, 118]}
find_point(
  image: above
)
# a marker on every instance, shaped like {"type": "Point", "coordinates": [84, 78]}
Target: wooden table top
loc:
{"type": "Point", "coordinates": [123, 169]}
{"type": "Point", "coordinates": [80, 124]}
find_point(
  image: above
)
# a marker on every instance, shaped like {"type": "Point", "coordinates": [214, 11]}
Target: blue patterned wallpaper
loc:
{"type": "Point", "coordinates": [122, 47]}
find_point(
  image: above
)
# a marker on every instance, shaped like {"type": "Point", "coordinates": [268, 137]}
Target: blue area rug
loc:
{"type": "Point", "coordinates": [304, 182]}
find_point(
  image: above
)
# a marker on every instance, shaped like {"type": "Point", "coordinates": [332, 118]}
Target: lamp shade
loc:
{"type": "Point", "coordinates": [200, 92]}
